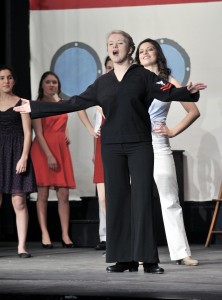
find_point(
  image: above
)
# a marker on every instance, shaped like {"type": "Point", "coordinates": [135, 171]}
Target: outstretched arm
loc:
{"type": "Point", "coordinates": [166, 91]}
{"type": "Point", "coordinates": [40, 109]}
{"type": "Point", "coordinates": [192, 114]}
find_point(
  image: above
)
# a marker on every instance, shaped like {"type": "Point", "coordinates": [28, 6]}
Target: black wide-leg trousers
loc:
{"type": "Point", "coordinates": [128, 169]}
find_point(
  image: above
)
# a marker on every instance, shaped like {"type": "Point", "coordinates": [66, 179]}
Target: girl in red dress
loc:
{"type": "Point", "coordinates": [52, 161]}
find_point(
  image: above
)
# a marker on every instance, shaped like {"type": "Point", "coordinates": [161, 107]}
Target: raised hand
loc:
{"type": "Point", "coordinates": [24, 108]}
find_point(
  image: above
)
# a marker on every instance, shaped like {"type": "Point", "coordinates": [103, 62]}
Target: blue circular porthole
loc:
{"type": "Point", "coordinates": [177, 59]}
{"type": "Point", "coordinates": [77, 66]}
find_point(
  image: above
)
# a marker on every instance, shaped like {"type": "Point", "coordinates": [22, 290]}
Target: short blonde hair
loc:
{"type": "Point", "coordinates": [126, 35]}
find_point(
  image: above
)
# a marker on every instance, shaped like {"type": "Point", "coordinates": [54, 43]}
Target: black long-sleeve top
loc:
{"type": "Point", "coordinates": [125, 103]}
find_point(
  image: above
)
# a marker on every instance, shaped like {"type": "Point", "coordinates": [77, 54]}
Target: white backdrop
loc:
{"type": "Point", "coordinates": [196, 27]}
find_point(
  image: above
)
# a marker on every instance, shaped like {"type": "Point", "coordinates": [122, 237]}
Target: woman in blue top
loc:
{"type": "Point", "coordinates": [150, 55]}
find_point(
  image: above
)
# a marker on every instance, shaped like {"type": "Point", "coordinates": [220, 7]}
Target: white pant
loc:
{"type": "Point", "coordinates": [102, 224]}
{"type": "Point", "coordinates": [166, 181]}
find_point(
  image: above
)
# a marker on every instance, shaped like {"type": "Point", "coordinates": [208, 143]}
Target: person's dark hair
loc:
{"type": "Point", "coordinates": [44, 75]}
{"type": "Point", "coordinates": [164, 71]}
{"type": "Point", "coordinates": [107, 59]}
{"type": "Point", "coordinates": [5, 67]}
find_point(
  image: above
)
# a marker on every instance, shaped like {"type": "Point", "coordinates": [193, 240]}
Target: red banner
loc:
{"type": "Point", "coordinates": [77, 4]}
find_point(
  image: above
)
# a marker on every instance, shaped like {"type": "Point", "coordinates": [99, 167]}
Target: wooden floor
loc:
{"type": "Point", "coordinates": [80, 273]}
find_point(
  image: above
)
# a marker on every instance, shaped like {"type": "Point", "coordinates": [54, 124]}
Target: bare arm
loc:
{"type": "Point", "coordinates": [167, 92]}
{"type": "Point", "coordinates": [37, 125]}
{"type": "Point", "coordinates": [192, 114]}
{"type": "Point", "coordinates": [85, 120]}
{"type": "Point", "coordinates": [42, 109]}
{"type": "Point", "coordinates": [22, 163]}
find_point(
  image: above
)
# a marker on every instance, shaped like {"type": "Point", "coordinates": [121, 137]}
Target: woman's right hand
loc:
{"type": "Point", "coordinates": [25, 108]}
{"type": "Point", "coordinates": [98, 133]}
{"type": "Point", "coordinates": [93, 133]}
{"type": "Point", "coordinates": [52, 163]}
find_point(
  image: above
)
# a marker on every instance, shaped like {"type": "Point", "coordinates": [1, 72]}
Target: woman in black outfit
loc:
{"type": "Point", "coordinates": [125, 95]}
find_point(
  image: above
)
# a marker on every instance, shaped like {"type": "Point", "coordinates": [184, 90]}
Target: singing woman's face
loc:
{"type": "Point", "coordinates": [118, 48]}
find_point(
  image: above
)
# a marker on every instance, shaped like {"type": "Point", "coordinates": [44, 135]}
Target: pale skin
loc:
{"type": "Point", "coordinates": [148, 59]}
{"type": "Point", "coordinates": [8, 100]}
{"type": "Point", "coordinates": [50, 89]}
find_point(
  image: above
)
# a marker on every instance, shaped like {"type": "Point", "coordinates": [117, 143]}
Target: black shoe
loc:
{"type": "Point", "coordinates": [101, 246]}
{"type": "Point", "coordinates": [24, 255]}
{"type": "Point", "coordinates": [123, 266]}
{"type": "Point", "coordinates": [47, 246]}
{"type": "Point", "coordinates": [71, 245]}
{"type": "Point", "coordinates": [152, 268]}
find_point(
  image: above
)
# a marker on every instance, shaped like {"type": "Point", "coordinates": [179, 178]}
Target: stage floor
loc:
{"type": "Point", "coordinates": [80, 273]}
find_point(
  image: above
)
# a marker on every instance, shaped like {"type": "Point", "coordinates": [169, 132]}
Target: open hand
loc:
{"type": "Point", "coordinates": [193, 88]}
{"type": "Point", "coordinates": [24, 108]}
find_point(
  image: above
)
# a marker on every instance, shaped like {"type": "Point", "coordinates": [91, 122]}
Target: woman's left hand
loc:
{"type": "Point", "coordinates": [21, 166]}
{"type": "Point", "coordinates": [193, 88]}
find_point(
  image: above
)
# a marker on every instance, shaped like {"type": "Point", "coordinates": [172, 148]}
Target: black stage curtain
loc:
{"type": "Point", "coordinates": [15, 47]}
